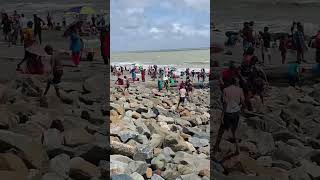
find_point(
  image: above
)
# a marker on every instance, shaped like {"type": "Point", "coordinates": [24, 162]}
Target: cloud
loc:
{"type": "Point", "coordinates": [159, 24]}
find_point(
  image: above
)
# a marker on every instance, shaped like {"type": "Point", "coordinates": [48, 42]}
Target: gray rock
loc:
{"type": "Point", "coordinates": [197, 142]}
{"type": "Point", "coordinates": [51, 176]}
{"type": "Point", "coordinates": [282, 164]}
{"type": "Point", "coordinates": [298, 174]}
{"type": "Point", "coordinates": [311, 168]}
{"type": "Point", "coordinates": [190, 177]}
{"type": "Point", "coordinates": [265, 161]}
{"type": "Point", "coordinates": [168, 151]}
{"type": "Point", "coordinates": [142, 153]}
{"type": "Point", "coordinates": [60, 165]}
{"type": "Point", "coordinates": [175, 142]}
{"type": "Point", "coordinates": [121, 177]}
{"type": "Point", "coordinates": [156, 177]}
{"type": "Point", "coordinates": [142, 128]}
{"type": "Point", "coordinates": [156, 141]}
{"type": "Point", "coordinates": [137, 166]}
{"type": "Point", "coordinates": [162, 118]}
{"type": "Point", "coordinates": [136, 176]}
{"type": "Point", "coordinates": [52, 138]}
{"type": "Point", "coordinates": [159, 162]}
{"type": "Point", "coordinates": [127, 135]}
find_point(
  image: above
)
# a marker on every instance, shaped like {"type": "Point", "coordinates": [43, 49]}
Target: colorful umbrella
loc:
{"type": "Point", "coordinates": [82, 10]}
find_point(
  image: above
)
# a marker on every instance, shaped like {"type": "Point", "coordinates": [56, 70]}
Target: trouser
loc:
{"type": "Point", "coordinates": [38, 32]}
{"type": "Point", "coordinates": [76, 58]}
{"type": "Point", "coordinates": [318, 55]}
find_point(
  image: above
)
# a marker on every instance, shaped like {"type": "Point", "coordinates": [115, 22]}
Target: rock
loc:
{"type": "Point", "coordinates": [143, 152]}
{"type": "Point", "coordinates": [298, 174]}
{"type": "Point", "coordinates": [175, 142]}
{"type": "Point", "coordinates": [60, 165]}
{"type": "Point", "coordinates": [283, 135]}
{"type": "Point", "coordinates": [93, 152]}
{"type": "Point", "coordinates": [286, 153]}
{"type": "Point", "coordinates": [136, 176]}
{"type": "Point", "coordinates": [159, 162]}
{"type": "Point", "coordinates": [52, 138]}
{"type": "Point", "coordinates": [123, 149]}
{"type": "Point", "coordinates": [117, 167]}
{"type": "Point", "coordinates": [142, 128]}
{"type": "Point", "coordinates": [136, 115]}
{"type": "Point", "coordinates": [11, 162]}
{"type": "Point", "coordinates": [190, 177]}
{"type": "Point", "coordinates": [30, 151]}
{"type": "Point", "coordinates": [137, 166]}
{"type": "Point", "coordinates": [311, 168]}
{"type": "Point", "coordinates": [119, 109]}
{"type": "Point", "coordinates": [16, 175]}
{"type": "Point", "coordinates": [170, 174]}
{"type": "Point", "coordinates": [52, 176]}
{"type": "Point", "coordinates": [43, 119]}
{"type": "Point", "coordinates": [281, 164]}
{"type": "Point", "coordinates": [264, 141]}
{"type": "Point", "coordinates": [204, 172]}
{"type": "Point", "coordinates": [94, 85]}
{"type": "Point", "coordinates": [197, 142]}
{"type": "Point", "coordinates": [156, 177]}
{"type": "Point", "coordinates": [156, 141]}
{"type": "Point", "coordinates": [149, 173]}
{"type": "Point", "coordinates": [264, 161]}
{"type": "Point", "coordinates": [183, 170]}
{"type": "Point", "coordinates": [162, 118]}
{"type": "Point", "coordinates": [148, 115]}
{"type": "Point", "coordinates": [127, 135]}
{"type": "Point", "coordinates": [121, 177]}
{"type": "Point", "coordinates": [142, 110]}
{"type": "Point", "coordinates": [77, 136]}
{"type": "Point", "coordinates": [81, 169]}
{"type": "Point", "coordinates": [8, 120]}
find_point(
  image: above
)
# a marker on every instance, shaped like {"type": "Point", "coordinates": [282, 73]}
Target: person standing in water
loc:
{"type": "Point", "coordinates": [56, 71]}
{"type": "Point", "coordinates": [37, 27]}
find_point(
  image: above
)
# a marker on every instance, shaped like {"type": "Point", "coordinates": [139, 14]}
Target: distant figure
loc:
{"type": "Point", "coordinates": [6, 26]}
{"type": "Point", "coordinates": [316, 45]}
{"type": "Point", "coordinates": [49, 21]}
{"type": "Point", "coordinates": [56, 71]}
{"type": "Point", "coordinates": [127, 83]}
{"type": "Point", "coordinates": [75, 46]}
{"type": "Point", "coordinates": [64, 22]}
{"type": "Point", "coordinates": [37, 27]}
{"type": "Point", "coordinates": [283, 48]}
{"type": "Point", "coordinates": [182, 93]}
{"type": "Point", "coordinates": [299, 42]}
{"type": "Point", "coordinates": [28, 41]}
{"type": "Point", "coordinates": [266, 36]}
{"type": "Point", "coordinates": [143, 75]}
{"type": "Point", "coordinates": [105, 45]}
{"type": "Point", "coordinates": [294, 73]}
{"type": "Point", "coordinates": [23, 27]}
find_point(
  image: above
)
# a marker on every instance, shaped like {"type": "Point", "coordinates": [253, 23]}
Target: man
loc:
{"type": "Point", "coordinates": [56, 71]}
{"type": "Point", "coordinates": [266, 36]}
{"type": "Point", "coordinates": [28, 41]}
{"type": "Point", "coordinates": [37, 27]}
{"type": "Point", "coordinates": [23, 26]}
{"type": "Point", "coordinates": [233, 98]}
{"type": "Point", "coordinates": [299, 42]}
{"type": "Point", "coordinates": [247, 35]}
{"type": "Point", "coordinates": [143, 75]}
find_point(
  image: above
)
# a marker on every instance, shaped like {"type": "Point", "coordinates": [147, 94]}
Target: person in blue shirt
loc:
{"type": "Point", "coordinates": [75, 46]}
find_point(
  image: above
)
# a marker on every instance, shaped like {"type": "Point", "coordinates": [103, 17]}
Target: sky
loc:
{"type": "Point", "coordinates": [159, 24]}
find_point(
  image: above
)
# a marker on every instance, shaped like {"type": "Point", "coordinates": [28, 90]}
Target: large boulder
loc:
{"type": "Point", "coordinates": [11, 162]}
{"type": "Point", "coordinates": [31, 152]}
{"type": "Point", "coordinates": [81, 169]}
{"type": "Point", "coordinates": [60, 165]}
{"type": "Point", "coordinates": [77, 136]}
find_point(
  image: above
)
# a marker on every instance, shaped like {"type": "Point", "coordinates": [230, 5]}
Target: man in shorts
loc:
{"type": "Point", "coordinates": [182, 92]}
{"type": "Point", "coordinates": [56, 70]}
{"type": "Point", "coordinates": [266, 36]}
{"type": "Point", "coordinates": [233, 98]}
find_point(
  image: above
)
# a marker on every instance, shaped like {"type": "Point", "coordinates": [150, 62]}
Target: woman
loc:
{"type": "Point", "coordinates": [75, 46]}
{"type": "Point", "coordinates": [6, 26]}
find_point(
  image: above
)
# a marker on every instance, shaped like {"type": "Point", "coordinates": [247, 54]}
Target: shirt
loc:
{"type": "Point", "coordinates": [233, 96]}
{"type": "Point", "coordinates": [266, 39]}
{"type": "Point", "coordinates": [182, 92]}
{"type": "Point", "coordinates": [23, 22]}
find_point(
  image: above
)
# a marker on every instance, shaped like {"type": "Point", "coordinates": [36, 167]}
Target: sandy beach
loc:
{"type": "Point", "coordinates": [150, 137]}
{"type": "Point", "coordinates": [53, 138]}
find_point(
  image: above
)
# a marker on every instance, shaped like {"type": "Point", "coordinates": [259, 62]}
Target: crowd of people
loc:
{"type": "Point", "coordinates": [165, 77]}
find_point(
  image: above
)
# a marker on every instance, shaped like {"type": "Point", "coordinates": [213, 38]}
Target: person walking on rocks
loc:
{"type": "Point", "coordinates": [56, 71]}
{"type": "Point", "coordinates": [127, 83]}
{"type": "Point", "coordinates": [233, 98]}
{"type": "Point", "coordinates": [182, 92]}
{"type": "Point", "coordinates": [37, 27]}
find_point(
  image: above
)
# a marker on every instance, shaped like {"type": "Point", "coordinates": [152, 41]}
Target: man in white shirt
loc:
{"type": "Point", "coordinates": [23, 26]}
{"type": "Point", "coordinates": [233, 98]}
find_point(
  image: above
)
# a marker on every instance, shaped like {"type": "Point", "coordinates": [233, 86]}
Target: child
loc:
{"type": "Point", "coordinates": [283, 47]}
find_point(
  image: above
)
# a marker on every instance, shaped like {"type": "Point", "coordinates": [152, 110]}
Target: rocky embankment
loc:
{"type": "Point", "coordinates": [151, 139]}
{"type": "Point", "coordinates": [50, 139]}
{"type": "Point", "coordinates": [280, 143]}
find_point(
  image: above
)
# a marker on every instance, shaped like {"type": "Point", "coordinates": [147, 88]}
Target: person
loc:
{"type": "Point", "coordinates": [247, 35]}
{"type": "Point", "coordinates": [28, 41]}
{"type": "Point", "coordinates": [299, 43]}
{"type": "Point", "coordinates": [294, 73]}
{"type": "Point", "coordinates": [23, 27]}
{"type": "Point", "coordinates": [13, 35]}
{"type": "Point", "coordinates": [56, 71]}
{"type": "Point", "coordinates": [105, 45]}
{"type": "Point", "coordinates": [75, 46]}
{"type": "Point", "coordinates": [233, 101]}
{"type": "Point", "coordinates": [182, 93]}
{"type": "Point", "coordinates": [166, 83]}
{"type": "Point", "coordinates": [6, 23]}
{"type": "Point", "coordinates": [227, 74]}
{"type": "Point", "coordinates": [64, 22]}
{"type": "Point", "coordinates": [133, 74]}
{"type": "Point", "coordinates": [37, 27]}
{"type": "Point", "coordinates": [143, 75]}
{"type": "Point", "coordinates": [283, 48]}
{"type": "Point", "coordinates": [49, 21]}
{"type": "Point", "coordinates": [266, 37]}
{"type": "Point", "coordinates": [93, 20]}
{"type": "Point", "coordinates": [127, 83]}
{"type": "Point", "coordinates": [159, 85]}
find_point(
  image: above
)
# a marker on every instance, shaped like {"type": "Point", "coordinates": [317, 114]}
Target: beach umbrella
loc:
{"type": "Point", "coordinates": [82, 10]}
{"type": "Point", "coordinates": [37, 50]}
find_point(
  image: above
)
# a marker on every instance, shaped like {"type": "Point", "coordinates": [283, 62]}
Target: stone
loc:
{"type": "Point", "coordinates": [183, 169]}
{"type": "Point", "coordinates": [159, 162]}
{"type": "Point", "coordinates": [156, 177]}
{"type": "Point", "coordinates": [8, 120]}
{"type": "Point", "coordinates": [121, 177]}
{"type": "Point", "coordinates": [124, 149]}
{"type": "Point", "coordinates": [264, 141]}
{"type": "Point", "coordinates": [77, 136]}
{"type": "Point", "coordinates": [175, 142]}
{"type": "Point", "coordinates": [162, 118]}
{"type": "Point", "coordinates": [136, 115]}
{"type": "Point", "coordinates": [142, 153]}
{"type": "Point", "coordinates": [142, 128]}
{"type": "Point", "coordinates": [197, 142]}
{"type": "Point", "coordinates": [11, 162]}
{"type": "Point", "coordinates": [52, 176]}
{"type": "Point", "coordinates": [93, 152]}
{"type": "Point", "coordinates": [204, 172]}
{"type": "Point", "coordinates": [127, 135]}
{"type": "Point", "coordinates": [118, 108]}
{"type": "Point", "coordinates": [281, 164]}
{"type": "Point", "coordinates": [117, 167]}
{"type": "Point", "coordinates": [298, 174]}
{"type": "Point", "coordinates": [136, 176]}
{"type": "Point", "coordinates": [14, 175]}
{"type": "Point", "coordinates": [137, 166]}
{"type": "Point", "coordinates": [81, 169]}
{"type": "Point", "coordinates": [149, 173]}
{"type": "Point", "coordinates": [311, 168]}
{"type": "Point", "coordinates": [190, 177]}
{"type": "Point", "coordinates": [264, 161]}
{"type": "Point", "coordinates": [52, 138]}
{"type": "Point", "coordinates": [60, 165]}
{"type": "Point", "coordinates": [31, 152]}
{"type": "Point", "coordinates": [43, 119]}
